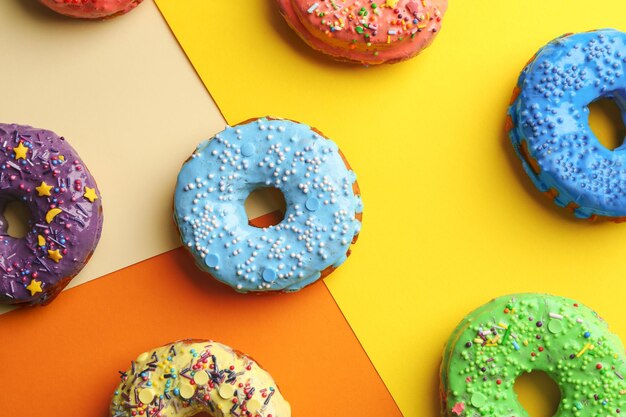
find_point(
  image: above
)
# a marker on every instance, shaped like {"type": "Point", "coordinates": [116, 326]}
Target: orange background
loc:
{"type": "Point", "coordinates": [62, 360]}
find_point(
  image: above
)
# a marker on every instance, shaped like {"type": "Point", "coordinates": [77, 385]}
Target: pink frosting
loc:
{"type": "Point", "coordinates": [366, 31]}
{"type": "Point", "coordinates": [91, 9]}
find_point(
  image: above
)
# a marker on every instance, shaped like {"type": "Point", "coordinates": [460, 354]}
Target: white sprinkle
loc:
{"type": "Point", "coordinates": [313, 8]}
{"type": "Point", "coordinates": [556, 316]}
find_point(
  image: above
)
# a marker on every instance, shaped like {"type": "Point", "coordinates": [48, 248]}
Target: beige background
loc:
{"type": "Point", "coordinates": [124, 95]}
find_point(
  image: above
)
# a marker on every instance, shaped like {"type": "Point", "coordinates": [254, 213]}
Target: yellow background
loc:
{"type": "Point", "coordinates": [450, 219]}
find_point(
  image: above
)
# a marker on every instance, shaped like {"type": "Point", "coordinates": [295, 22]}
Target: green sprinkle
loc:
{"type": "Point", "coordinates": [506, 334]}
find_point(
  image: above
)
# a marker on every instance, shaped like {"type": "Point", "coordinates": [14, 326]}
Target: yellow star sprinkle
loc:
{"type": "Point", "coordinates": [90, 194]}
{"type": "Point", "coordinates": [20, 151]}
{"type": "Point", "coordinates": [34, 287]}
{"type": "Point", "coordinates": [44, 189]}
{"type": "Point", "coordinates": [55, 255]}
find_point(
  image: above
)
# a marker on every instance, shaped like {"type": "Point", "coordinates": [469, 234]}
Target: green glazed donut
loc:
{"type": "Point", "coordinates": [511, 335]}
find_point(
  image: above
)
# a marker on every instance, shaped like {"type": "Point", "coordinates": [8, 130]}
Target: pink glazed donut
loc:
{"type": "Point", "coordinates": [366, 31]}
{"type": "Point", "coordinates": [91, 9]}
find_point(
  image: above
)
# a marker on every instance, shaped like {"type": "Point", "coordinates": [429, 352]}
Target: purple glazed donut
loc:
{"type": "Point", "coordinates": [40, 169]}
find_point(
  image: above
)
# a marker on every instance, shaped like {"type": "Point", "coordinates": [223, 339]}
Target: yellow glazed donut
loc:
{"type": "Point", "coordinates": [189, 377]}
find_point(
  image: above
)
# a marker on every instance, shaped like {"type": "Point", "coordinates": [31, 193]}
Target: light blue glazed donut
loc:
{"type": "Point", "coordinates": [548, 122]}
{"type": "Point", "coordinates": [322, 218]}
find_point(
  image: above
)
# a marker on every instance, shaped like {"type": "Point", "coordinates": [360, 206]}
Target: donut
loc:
{"type": "Point", "coordinates": [188, 377]}
{"type": "Point", "coordinates": [322, 218]}
{"type": "Point", "coordinates": [91, 9]}
{"type": "Point", "coordinates": [509, 336]}
{"type": "Point", "coordinates": [366, 32]}
{"type": "Point", "coordinates": [548, 123]}
{"type": "Point", "coordinates": [41, 170]}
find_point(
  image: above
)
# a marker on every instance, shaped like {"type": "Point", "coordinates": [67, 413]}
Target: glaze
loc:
{"type": "Point", "coordinates": [548, 122]}
{"type": "Point", "coordinates": [188, 377]}
{"type": "Point", "coordinates": [41, 169]}
{"type": "Point", "coordinates": [512, 335]}
{"type": "Point", "coordinates": [321, 221]}
{"type": "Point", "coordinates": [366, 32]}
{"type": "Point", "coordinates": [91, 9]}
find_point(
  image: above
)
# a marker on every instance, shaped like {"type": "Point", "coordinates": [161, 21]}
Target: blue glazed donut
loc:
{"type": "Point", "coordinates": [548, 122]}
{"type": "Point", "coordinates": [322, 218]}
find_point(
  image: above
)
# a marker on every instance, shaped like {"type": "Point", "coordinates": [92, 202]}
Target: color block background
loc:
{"type": "Point", "coordinates": [125, 97]}
{"type": "Point", "coordinates": [450, 218]}
{"type": "Point", "coordinates": [63, 359]}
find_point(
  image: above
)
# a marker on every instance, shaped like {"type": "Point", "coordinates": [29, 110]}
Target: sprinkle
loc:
{"type": "Point", "coordinates": [556, 316]}
{"type": "Point", "coordinates": [13, 165]}
{"type": "Point", "coordinates": [458, 408]}
{"type": "Point", "coordinates": [583, 350]}
{"type": "Point", "coordinates": [34, 287]}
{"type": "Point", "coordinates": [313, 8]}
{"type": "Point", "coordinates": [506, 334]}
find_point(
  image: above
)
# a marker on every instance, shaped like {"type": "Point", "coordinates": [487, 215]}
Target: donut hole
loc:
{"type": "Point", "coordinates": [266, 201]}
{"type": "Point", "coordinates": [16, 219]}
{"type": "Point", "coordinates": [538, 393]}
{"type": "Point", "coordinates": [607, 122]}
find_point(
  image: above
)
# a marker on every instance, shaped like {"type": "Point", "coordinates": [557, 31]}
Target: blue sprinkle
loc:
{"type": "Point", "coordinates": [312, 204]}
{"type": "Point", "coordinates": [212, 260]}
{"type": "Point", "coordinates": [247, 149]}
{"type": "Point", "coordinates": [269, 275]}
